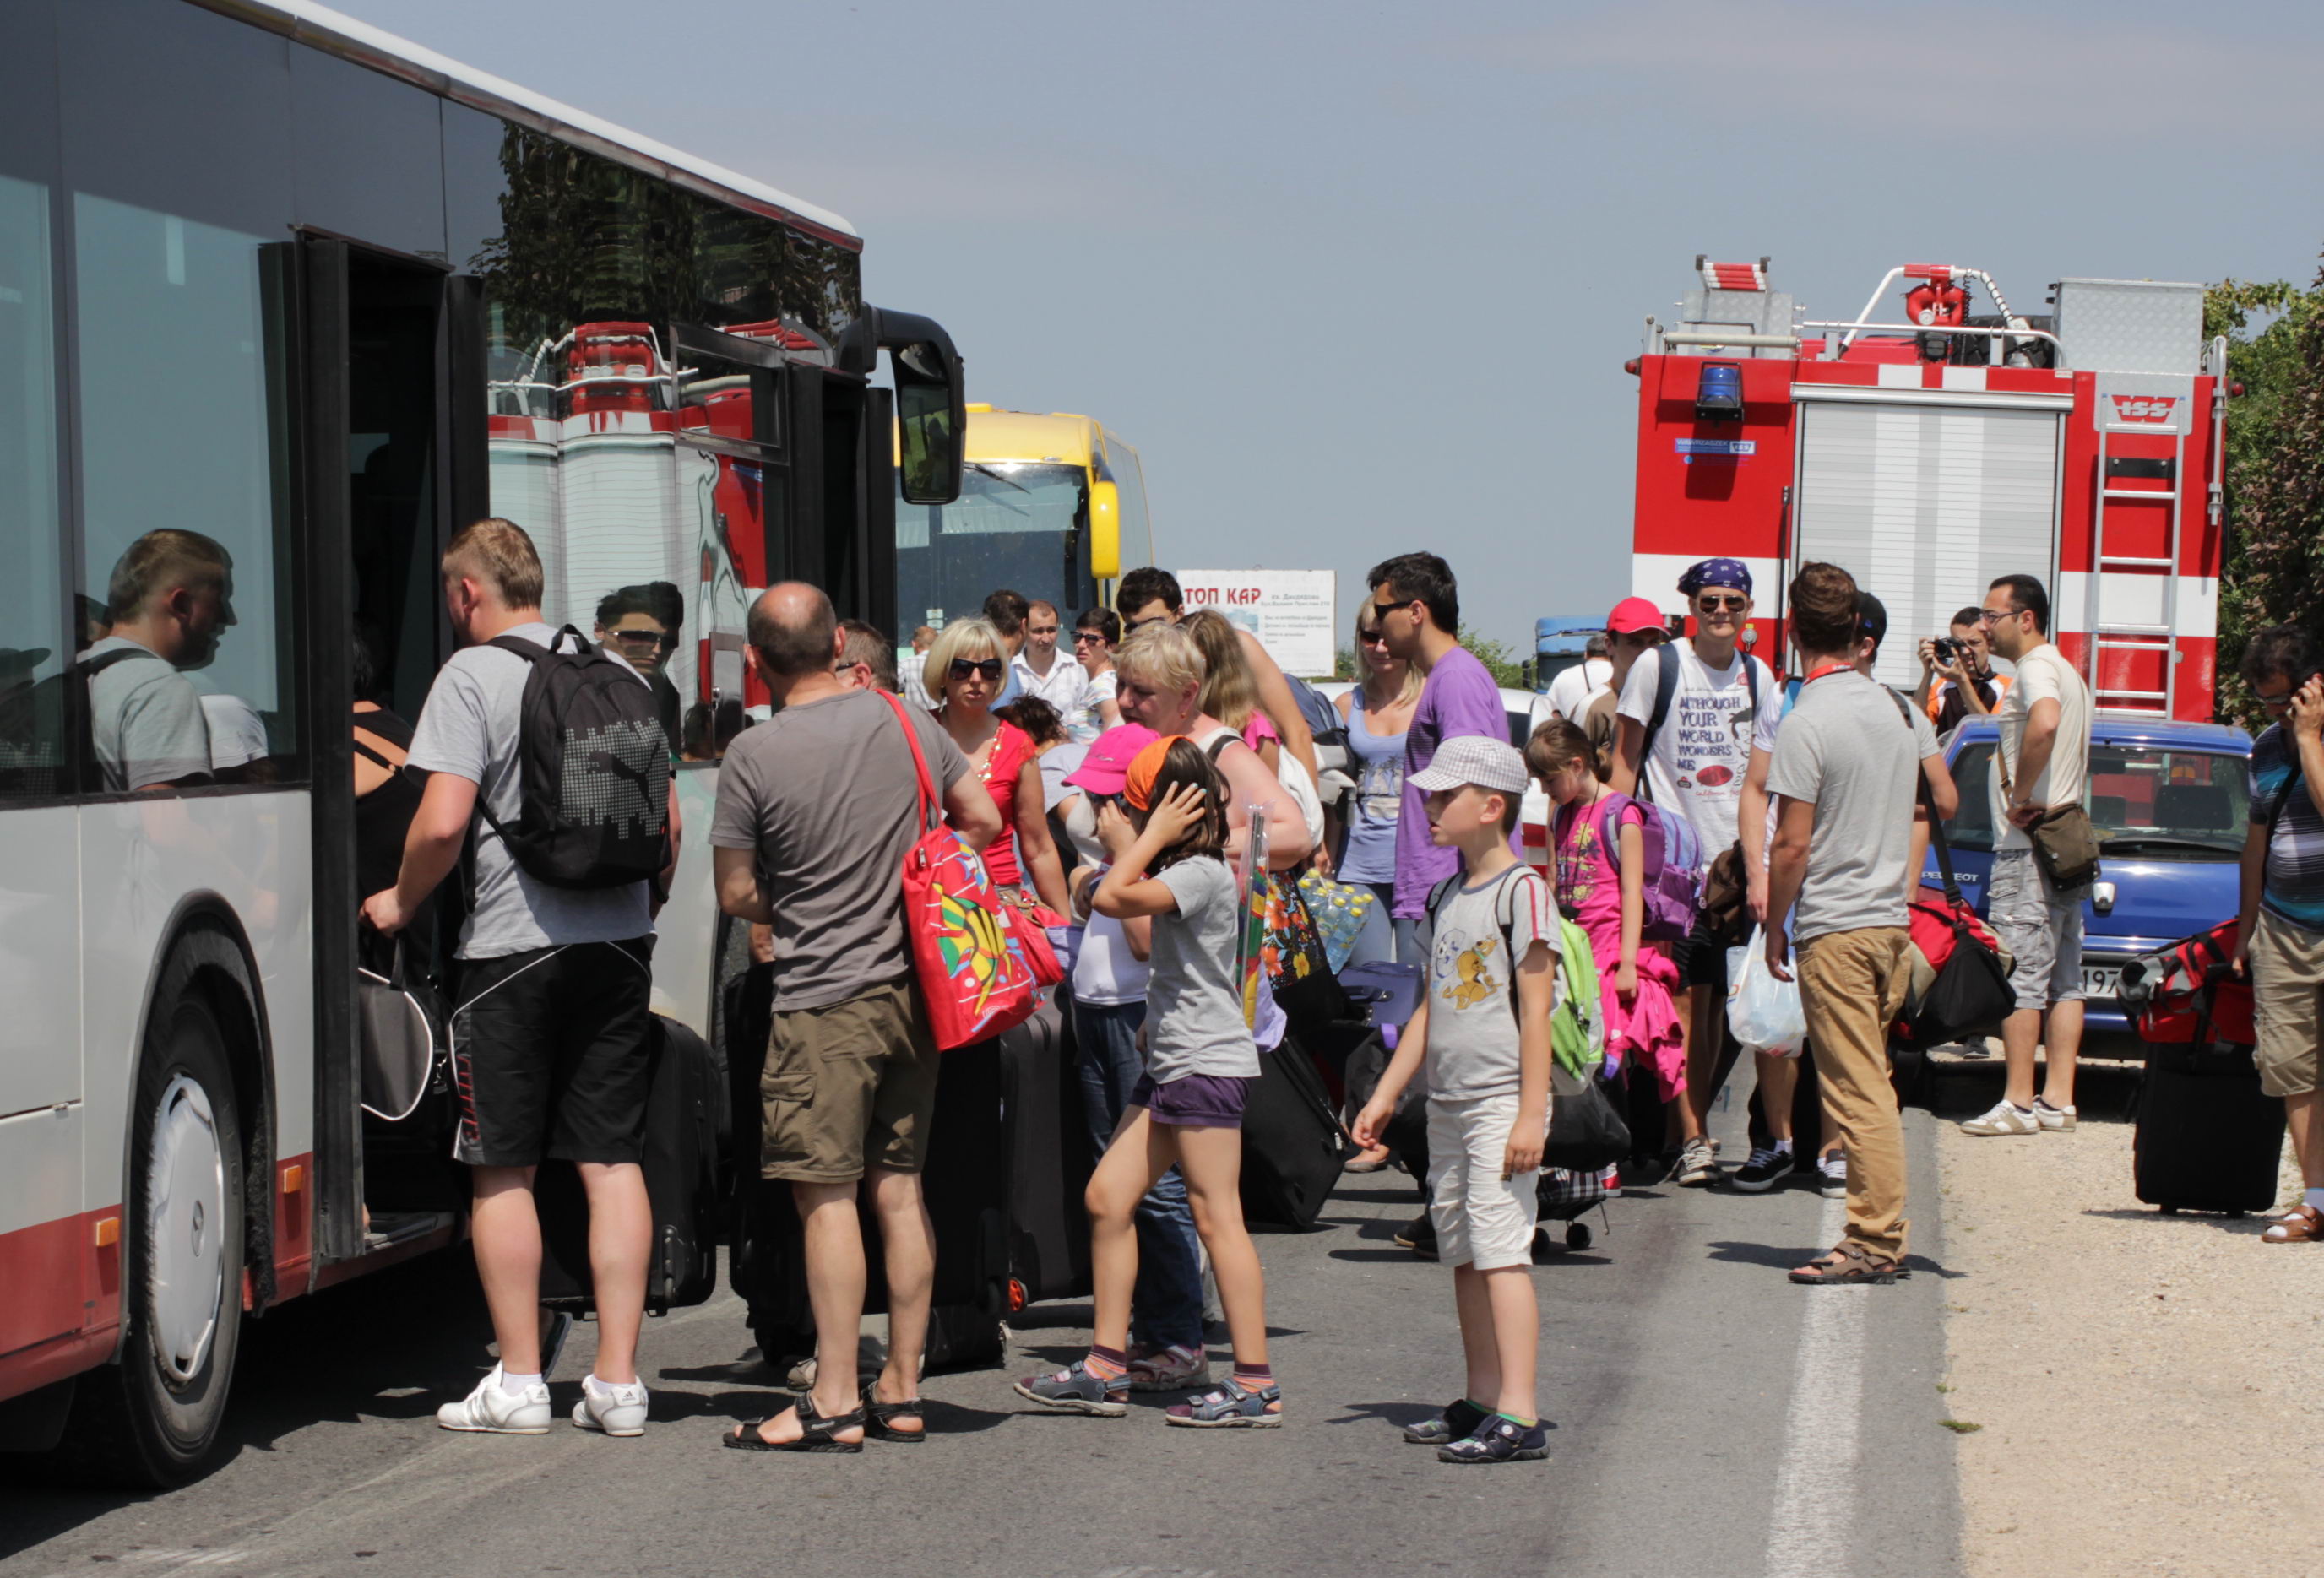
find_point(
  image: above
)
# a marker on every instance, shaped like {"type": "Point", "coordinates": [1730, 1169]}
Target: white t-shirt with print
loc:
{"type": "Point", "coordinates": [1473, 1024]}
{"type": "Point", "coordinates": [1697, 764]}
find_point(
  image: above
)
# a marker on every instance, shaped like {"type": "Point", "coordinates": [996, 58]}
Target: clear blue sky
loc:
{"type": "Point", "coordinates": [1361, 277]}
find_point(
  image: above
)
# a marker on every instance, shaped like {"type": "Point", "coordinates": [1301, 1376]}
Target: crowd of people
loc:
{"type": "Point", "coordinates": [1113, 792]}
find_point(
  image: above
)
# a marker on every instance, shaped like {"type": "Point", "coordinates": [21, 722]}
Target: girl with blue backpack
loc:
{"type": "Point", "coordinates": [1611, 882]}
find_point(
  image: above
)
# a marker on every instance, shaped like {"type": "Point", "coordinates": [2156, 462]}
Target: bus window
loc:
{"type": "Point", "coordinates": [186, 554]}
{"type": "Point", "coordinates": [33, 650]}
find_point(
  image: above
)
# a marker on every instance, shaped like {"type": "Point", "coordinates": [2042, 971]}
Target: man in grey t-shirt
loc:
{"type": "Point", "coordinates": [551, 1034]}
{"type": "Point", "coordinates": [1845, 768]}
{"type": "Point", "coordinates": [817, 808]}
{"type": "Point", "coordinates": [171, 596]}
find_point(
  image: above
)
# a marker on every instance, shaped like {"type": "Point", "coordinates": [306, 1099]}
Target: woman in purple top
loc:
{"type": "Point", "coordinates": [1416, 605]}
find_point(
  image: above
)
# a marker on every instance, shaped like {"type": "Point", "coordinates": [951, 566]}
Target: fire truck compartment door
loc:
{"type": "Point", "coordinates": [1925, 505]}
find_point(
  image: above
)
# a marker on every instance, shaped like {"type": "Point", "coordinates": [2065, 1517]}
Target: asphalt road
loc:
{"type": "Point", "coordinates": [1710, 1417]}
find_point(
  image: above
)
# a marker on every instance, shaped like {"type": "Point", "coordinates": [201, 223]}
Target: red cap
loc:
{"type": "Point", "coordinates": [1634, 613]}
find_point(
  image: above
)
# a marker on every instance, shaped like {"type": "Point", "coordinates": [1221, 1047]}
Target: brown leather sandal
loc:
{"type": "Point", "coordinates": [2303, 1224]}
{"type": "Point", "coordinates": [1848, 1265]}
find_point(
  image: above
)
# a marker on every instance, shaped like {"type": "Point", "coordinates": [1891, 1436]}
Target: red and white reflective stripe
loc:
{"type": "Point", "coordinates": [1733, 276]}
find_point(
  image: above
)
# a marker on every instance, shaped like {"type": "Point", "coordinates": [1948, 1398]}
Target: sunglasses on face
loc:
{"type": "Point", "coordinates": [1087, 635]}
{"type": "Point", "coordinates": [1719, 604]}
{"type": "Point", "coordinates": [1381, 610]}
{"type": "Point", "coordinates": [647, 637]}
{"type": "Point", "coordinates": [962, 668]}
{"type": "Point", "coordinates": [1371, 638]}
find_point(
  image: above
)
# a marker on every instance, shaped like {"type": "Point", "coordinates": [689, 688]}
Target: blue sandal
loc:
{"type": "Point", "coordinates": [1498, 1440]}
{"type": "Point", "coordinates": [1077, 1391]}
{"type": "Point", "coordinates": [1230, 1408]}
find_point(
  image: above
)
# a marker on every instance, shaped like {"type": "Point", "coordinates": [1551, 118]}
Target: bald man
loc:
{"type": "Point", "coordinates": [816, 808]}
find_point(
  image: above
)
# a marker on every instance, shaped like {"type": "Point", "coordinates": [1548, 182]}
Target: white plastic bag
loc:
{"type": "Point", "coordinates": [1764, 1013]}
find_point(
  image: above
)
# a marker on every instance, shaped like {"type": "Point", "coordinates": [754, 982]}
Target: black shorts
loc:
{"type": "Point", "coordinates": [549, 1052]}
{"type": "Point", "coordinates": [1700, 957]}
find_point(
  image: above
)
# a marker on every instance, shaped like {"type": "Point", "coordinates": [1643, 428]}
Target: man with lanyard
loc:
{"type": "Point", "coordinates": [1692, 760]}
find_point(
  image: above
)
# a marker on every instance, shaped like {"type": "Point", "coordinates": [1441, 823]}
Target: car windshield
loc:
{"type": "Point", "coordinates": [2143, 799]}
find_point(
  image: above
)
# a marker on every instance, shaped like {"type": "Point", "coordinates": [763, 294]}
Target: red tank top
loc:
{"type": "Point", "coordinates": [1011, 749]}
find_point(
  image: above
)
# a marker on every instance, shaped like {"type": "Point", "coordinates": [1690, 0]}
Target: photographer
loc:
{"type": "Point", "coordinates": [1957, 677]}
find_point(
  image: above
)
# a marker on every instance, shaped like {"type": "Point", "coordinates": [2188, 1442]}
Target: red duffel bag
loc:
{"type": "Point", "coordinates": [2188, 994]}
{"type": "Point", "coordinates": [1959, 979]}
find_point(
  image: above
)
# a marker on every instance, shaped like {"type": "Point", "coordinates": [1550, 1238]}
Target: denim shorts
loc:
{"type": "Point", "coordinates": [1193, 1101]}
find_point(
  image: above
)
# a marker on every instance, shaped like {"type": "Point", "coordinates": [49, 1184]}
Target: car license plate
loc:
{"type": "Point", "coordinates": [2102, 980]}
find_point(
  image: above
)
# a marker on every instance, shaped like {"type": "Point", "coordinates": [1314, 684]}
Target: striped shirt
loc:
{"type": "Point", "coordinates": [2293, 887]}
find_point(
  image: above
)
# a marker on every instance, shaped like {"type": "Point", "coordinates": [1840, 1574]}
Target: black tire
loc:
{"type": "Point", "coordinates": [1577, 1235]}
{"type": "Point", "coordinates": [152, 1419]}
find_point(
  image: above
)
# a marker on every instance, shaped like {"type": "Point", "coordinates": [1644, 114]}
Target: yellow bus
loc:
{"type": "Point", "coordinates": [1052, 506]}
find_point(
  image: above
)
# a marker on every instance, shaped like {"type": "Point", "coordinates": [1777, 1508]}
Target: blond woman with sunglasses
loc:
{"type": "Point", "coordinates": [966, 668]}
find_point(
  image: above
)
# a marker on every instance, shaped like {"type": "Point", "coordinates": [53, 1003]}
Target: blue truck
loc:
{"type": "Point", "coordinates": [1558, 641]}
{"type": "Point", "coordinates": [2169, 801]}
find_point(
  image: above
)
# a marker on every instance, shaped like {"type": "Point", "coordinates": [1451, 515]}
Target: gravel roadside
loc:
{"type": "Point", "coordinates": [2146, 1386]}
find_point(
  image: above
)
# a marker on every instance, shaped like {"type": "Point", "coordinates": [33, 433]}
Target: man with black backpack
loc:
{"type": "Point", "coordinates": [548, 768]}
{"type": "Point", "coordinates": [1687, 713]}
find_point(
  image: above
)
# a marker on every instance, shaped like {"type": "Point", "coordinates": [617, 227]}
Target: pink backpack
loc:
{"type": "Point", "coordinates": [1672, 882]}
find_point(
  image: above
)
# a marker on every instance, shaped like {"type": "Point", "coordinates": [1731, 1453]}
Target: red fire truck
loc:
{"type": "Point", "coordinates": [1929, 448]}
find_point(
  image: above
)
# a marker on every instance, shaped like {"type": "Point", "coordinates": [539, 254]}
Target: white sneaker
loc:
{"type": "Point", "coordinates": [2004, 1118]}
{"type": "Point", "coordinates": [2054, 1119]}
{"type": "Point", "coordinates": [1832, 1175]}
{"type": "Point", "coordinates": [489, 1409]}
{"type": "Point", "coordinates": [617, 1409]}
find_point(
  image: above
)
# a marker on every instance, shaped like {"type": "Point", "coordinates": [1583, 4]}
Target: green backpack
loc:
{"type": "Point", "coordinates": [1577, 1020]}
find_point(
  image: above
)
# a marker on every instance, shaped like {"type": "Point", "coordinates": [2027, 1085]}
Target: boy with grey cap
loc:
{"type": "Point", "coordinates": [1491, 937]}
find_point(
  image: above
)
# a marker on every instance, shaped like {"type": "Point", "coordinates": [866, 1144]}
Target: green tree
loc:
{"type": "Point", "coordinates": [1499, 658]}
{"type": "Point", "coordinates": [2274, 506]}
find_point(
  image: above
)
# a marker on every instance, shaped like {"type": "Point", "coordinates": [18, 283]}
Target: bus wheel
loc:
{"type": "Point", "coordinates": [153, 1418]}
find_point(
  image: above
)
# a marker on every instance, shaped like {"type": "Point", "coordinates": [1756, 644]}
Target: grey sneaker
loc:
{"type": "Point", "coordinates": [1698, 1164]}
{"type": "Point", "coordinates": [2054, 1119]}
{"type": "Point", "coordinates": [1077, 1391]}
{"type": "Point", "coordinates": [2004, 1118]}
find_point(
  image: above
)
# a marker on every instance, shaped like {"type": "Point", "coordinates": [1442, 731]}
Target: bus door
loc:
{"type": "Point", "coordinates": [394, 457]}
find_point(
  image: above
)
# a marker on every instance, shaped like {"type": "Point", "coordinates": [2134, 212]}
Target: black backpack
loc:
{"type": "Point", "coordinates": [593, 761]}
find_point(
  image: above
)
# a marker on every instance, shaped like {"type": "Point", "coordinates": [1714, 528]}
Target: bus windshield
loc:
{"type": "Point", "coordinates": [1013, 526]}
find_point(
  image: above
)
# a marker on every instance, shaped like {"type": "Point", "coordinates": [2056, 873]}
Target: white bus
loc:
{"type": "Point", "coordinates": [321, 295]}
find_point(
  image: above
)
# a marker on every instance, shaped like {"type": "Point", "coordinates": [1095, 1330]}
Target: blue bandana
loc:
{"type": "Point", "coordinates": [1716, 572]}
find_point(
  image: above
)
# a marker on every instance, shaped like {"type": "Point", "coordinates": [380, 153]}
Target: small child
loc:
{"type": "Point", "coordinates": [1483, 1027]}
{"type": "Point", "coordinates": [1186, 1110]}
{"type": "Point", "coordinates": [1636, 982]}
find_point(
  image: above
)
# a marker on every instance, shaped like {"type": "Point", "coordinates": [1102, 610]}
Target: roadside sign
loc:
{"type": "Point", "coordinates": [1293, 612]}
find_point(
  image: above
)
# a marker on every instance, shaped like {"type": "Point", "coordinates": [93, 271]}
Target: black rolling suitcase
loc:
{"type": "Point", "coordinates": [964, 1180]}
{"type": "Point", "coordinates": [2208, 1139]}
{"type": "Point", "coordinates": [1292, 1146]}
{"type": "Point", "coordinates": [686, 1103]}
{"type": "Point", "coordinates": [1048, 1160]}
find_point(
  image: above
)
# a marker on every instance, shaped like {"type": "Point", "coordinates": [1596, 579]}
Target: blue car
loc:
{"type": "Point", "coordinates": [2169, 801]}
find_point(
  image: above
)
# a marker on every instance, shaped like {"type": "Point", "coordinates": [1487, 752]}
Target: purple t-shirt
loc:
{"type": "Point", "coordinates": [1459, 698]}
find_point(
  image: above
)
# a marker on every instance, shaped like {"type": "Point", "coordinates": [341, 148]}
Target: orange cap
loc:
{"type": "Point", "coordinates": [1138, 784]}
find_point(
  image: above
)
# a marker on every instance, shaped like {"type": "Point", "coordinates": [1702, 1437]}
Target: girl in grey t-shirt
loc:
{"type": "Point", "coordinates": [1187, 1109]}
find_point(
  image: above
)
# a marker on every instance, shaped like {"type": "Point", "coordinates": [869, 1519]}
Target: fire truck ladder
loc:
{"type": "Point", "coordinates": [2117, 635]}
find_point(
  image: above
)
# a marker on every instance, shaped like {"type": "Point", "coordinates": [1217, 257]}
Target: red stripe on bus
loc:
{"type": "Point", "coordinates": [63, 1302]}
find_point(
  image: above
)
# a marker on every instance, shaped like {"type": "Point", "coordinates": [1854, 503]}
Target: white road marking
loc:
{"type": "Point", "coordinates": [1817, 1506]}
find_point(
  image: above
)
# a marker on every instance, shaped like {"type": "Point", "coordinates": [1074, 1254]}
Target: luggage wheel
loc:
{"type": "Point", "coordinates": [1577, 1235]}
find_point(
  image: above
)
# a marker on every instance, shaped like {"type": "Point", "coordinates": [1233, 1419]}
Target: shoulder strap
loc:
{"type": "Point", "coordinates": [2291, 780]}
{"type": "Point", "coordinates": [1920, 796]}
{"type": "Point", "coordinates": [1751, 678]}
{"type": "Point", "coordinates": [530, 652]}
{"type": "Point", "coordinates": [926, 781]}
{"type": "Point", "coordinates": [1665, 692]}
{"type": "Point", "coordinates": [368, 754]}
{"type": "Point", "coordinates": [1609, 834]}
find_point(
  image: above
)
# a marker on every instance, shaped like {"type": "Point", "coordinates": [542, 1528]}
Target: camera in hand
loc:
{"type": "Point", "coordinates": [1950, 650]}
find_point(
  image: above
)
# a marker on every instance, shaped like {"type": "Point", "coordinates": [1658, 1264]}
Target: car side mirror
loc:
{"type": "Point", "coordinates": [1104, 530]}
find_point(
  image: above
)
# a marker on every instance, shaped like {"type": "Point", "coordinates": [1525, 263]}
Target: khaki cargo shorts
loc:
{"type": "Point", "coordinates": [847, 1086]}
{"type": "Point", "coordinates": [2287, 977]}
{"type": "Point", "coordinates": [2041, 928]}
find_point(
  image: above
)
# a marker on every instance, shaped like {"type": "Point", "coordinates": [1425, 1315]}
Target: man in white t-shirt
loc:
{"type": "Point", "coordinates": [1573, 691]}
{"type": "Point", "coordinates": [2045, 756]}
{"type": "Point", "coordinates": [1692, 759]}
{"type": "Point", "coordinates": [1041, 670]}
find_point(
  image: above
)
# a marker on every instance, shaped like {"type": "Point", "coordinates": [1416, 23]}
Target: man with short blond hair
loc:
{"type": "Point", "coordinates": [171, 596]}
{"type": "Point", "coordinates": [551, 1034]}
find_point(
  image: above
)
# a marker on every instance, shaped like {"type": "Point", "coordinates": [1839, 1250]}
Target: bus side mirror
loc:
{"type": "Point", "coordinates": [1105, 530]}
{"type": "Point", "coordinates": [931, 401]}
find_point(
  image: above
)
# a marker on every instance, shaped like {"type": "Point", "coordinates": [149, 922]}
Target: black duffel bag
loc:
{"type": "Point", "coordinates": [1586, 1133]}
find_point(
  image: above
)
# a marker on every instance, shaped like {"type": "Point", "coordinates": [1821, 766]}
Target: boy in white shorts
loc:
{"type": "Point", "coordinates": [1483, 1028]}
